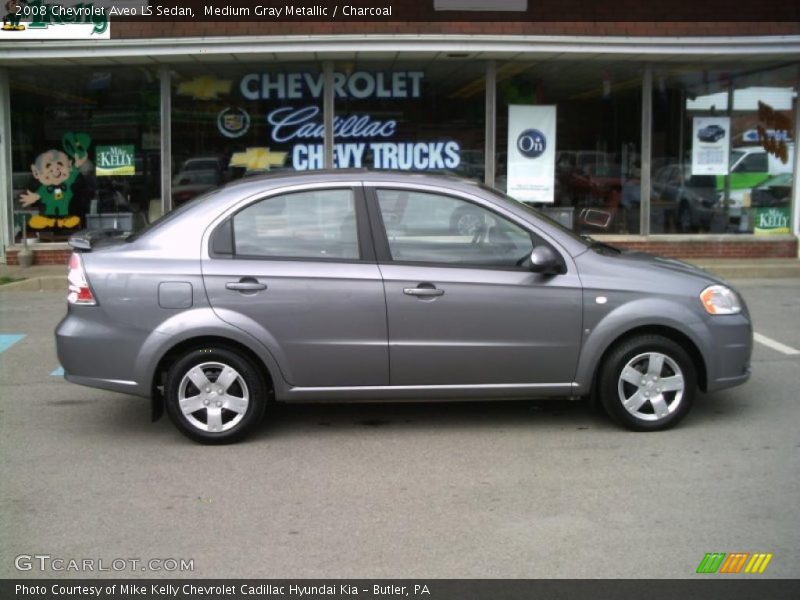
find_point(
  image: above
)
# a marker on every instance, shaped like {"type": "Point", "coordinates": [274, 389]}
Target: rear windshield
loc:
{"type": "Point", "coordinates": [166, 218]}
{"type": "Point", "coordinates": [200, 165]}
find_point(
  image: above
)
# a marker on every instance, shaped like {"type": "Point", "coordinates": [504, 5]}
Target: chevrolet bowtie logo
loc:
{"type": "Point", "coordinates": [258, 159]}
{"type": "Point", "coordinates": [205, 87]}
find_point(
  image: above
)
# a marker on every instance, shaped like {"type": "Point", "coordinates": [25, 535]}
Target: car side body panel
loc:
{"type": "Point", "coordinates": [325, 323]}
{"type": "Point", "coordinates": [632, 292]}
{"type": "Point", "coordinates": [163, 289]}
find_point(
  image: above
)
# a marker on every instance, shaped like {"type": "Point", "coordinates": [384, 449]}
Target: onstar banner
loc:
{"type": "Point", "coordinates": [531, 153]}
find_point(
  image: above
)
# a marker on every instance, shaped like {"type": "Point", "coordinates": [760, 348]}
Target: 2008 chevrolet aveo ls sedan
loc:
{"type": "Point", "coordinates": [343, 286]}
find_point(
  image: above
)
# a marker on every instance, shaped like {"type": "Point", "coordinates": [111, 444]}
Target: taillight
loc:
{"type": "Point", "coordinates": [79, 290]}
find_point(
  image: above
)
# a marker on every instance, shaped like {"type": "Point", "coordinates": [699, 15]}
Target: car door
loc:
{"type": "Point", "coordinates": [295, 270]}
{"type": "Point", "coordinates": [462, 307]}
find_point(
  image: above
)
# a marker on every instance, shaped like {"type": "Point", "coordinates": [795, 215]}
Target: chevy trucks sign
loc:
{"type": "Point", "coordinates": [361, 139]}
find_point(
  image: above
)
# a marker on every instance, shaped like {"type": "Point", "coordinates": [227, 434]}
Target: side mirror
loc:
{"type": "Point", "coordinates": [543, 260]}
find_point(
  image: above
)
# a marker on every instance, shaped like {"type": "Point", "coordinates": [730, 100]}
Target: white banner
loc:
{"type": "Point", "coordinates": [531, 153]}
{"type": "Point", "coordinates": [710, 145]}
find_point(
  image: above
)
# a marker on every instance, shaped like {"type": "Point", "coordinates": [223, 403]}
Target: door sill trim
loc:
{"type": "Point", "coordinates": [484, 391]}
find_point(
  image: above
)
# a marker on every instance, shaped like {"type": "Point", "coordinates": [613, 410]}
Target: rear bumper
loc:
{"type": "Point", "coordinates": [96, 355]}
{"type": "Point", "coordinates": [114, 385]}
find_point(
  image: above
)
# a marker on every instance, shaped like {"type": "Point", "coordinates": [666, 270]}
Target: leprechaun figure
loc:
{"type": "Point", "coordinates": [56, 173]}
{"type": "Point", "coordinates": [11, 22]}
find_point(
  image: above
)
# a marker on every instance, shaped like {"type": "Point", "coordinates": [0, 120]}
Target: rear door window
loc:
{"type": "Point", "coordinates": [315, 224]}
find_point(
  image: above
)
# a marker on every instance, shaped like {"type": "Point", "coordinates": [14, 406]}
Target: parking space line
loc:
{"type": "Point", "coordinates": [775, 345]}
{"type": "Point", "coordinates": [8, 340]}
{"type": "Point", "coordinates": [59, 372]}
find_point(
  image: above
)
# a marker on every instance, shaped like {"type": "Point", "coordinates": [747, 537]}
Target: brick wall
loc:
{"type": "Point", "coordinates": [715, 249]}
{"type": "Point", "coordinates": [580, 28]}
{"type": "Point", "coordinates": [42, 256]}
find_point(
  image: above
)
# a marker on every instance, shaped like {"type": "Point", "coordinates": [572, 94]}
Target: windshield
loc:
{"type": "Point", "coordinates": [198, 164]}
{"type": "Point", "coordinates": [195, 178]}
{"type": "Point", "coordinates": [539, 215]}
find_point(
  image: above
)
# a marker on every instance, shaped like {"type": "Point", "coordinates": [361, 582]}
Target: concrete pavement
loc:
{"type": "Point", "coordinates": [517, 490]}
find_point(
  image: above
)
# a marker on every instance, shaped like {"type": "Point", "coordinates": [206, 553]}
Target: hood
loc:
{"type": "Point", "coordinates": [668, 264]}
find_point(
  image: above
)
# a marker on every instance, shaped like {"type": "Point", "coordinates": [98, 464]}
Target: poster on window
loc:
{"type": "Point", "coordinates": [115, 160]}
{"type": "Point", "coordinates": [710, 145]}
{"type": "Point", "coordinates": [531, 153]}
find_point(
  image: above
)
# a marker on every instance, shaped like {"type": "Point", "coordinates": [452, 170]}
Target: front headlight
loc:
{"type": "Point", "coordinates": [720, 300]}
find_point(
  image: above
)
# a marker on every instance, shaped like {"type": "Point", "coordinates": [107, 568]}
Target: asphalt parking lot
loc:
{"type": "Point", "coordinates": [467, 490]}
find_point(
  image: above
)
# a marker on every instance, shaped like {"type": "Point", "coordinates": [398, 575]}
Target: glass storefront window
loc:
{"type": "Point", "coordinates": [85, 149]}
{"type": "Point", "coordinates": [723, 151]}
{"type": "Point", "coordinates": [86, 140]}
{"type": "Point", "coordinates": [426, 116]}
{"type": "Point", "coordinates": [233, 120]}
{"type": "Point", "coordinates": [573, 130]}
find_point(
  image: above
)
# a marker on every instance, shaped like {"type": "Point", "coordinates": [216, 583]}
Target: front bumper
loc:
{"type": "Point", "coordinates": [729, 352]}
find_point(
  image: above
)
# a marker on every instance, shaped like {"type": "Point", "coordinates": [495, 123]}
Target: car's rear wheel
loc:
{"type": "Point", "coordinates": [215, 395]}
{"type": "Point", "coordinates": [647, 383]}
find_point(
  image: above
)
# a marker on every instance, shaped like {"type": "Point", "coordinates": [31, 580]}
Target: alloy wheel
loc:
{"type": "Point", "coordinates": [651, 386]}
{"type": "Point", "coordinates": [213, 397]}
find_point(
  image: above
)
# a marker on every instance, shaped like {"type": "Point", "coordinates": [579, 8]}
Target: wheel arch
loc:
{"type": "Point", "coordinates": [174, 352]}
{"type": "Point", "coordinates": [666, 331]}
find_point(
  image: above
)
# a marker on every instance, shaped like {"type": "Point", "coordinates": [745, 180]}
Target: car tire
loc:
{"type": "Point", "coordinates": [633, 379]}
{"type": "Point", "coordinates": [215, 395]}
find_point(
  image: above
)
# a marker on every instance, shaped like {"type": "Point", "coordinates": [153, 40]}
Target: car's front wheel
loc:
{"type": "Point", "coordinates": [215, 395]}
{"type": "Point", "coordinates": [647, 383]}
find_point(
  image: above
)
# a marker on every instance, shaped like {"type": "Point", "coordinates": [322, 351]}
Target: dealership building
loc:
{"type": "Point", "coordinates": [673, 137]}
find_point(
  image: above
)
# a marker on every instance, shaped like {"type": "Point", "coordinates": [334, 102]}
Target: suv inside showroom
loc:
{"type": "Point", "coordinates": [355, 285]}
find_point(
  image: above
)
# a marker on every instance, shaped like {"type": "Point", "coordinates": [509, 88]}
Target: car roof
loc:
{"type": "Point", "coordinates": [281, 178]}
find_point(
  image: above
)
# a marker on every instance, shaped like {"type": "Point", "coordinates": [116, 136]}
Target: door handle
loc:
{"type": "Point", "coordinates": [245, 284]}
{"type": "Point", "coordinates": [423, 292]}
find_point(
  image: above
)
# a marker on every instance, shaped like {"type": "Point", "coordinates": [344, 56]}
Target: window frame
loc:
{"type": "Point", "coordinates": [381, 238]}
{"type": "Point", "coordinates": [223, 233]}
{"type": "Point", "coordinates": [751, 157]}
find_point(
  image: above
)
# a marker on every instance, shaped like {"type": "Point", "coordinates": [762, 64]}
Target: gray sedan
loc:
{"type": "Point", "coordinates": [356, 286]}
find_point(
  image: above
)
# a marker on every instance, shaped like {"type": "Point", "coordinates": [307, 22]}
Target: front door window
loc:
{"type": "Point", "coordinates": [434, 229]}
